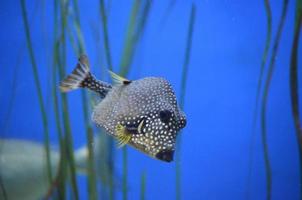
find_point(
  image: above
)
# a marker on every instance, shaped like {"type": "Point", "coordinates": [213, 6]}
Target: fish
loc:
{"type": "Point", "coordinates": [141, 113]}
{"type": "Point", "coordinates": [23, 168]}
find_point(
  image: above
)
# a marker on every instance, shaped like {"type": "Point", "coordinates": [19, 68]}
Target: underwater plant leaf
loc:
{"type": "Point", "coordinates": [136, 26]}
{"type": "Point", "coordinates": [143, 186]}
{"type": "Point", "coordinates": [294, 72]}
{"type": "Point", "coordinates": [258, 92]}
{"type": "Point", "coordinates": [187, 56]}
{"type": "Point", "coordinates": [294, 83]}
{"type": "Point", "coordinates": [129, 40]}
{"type": "Point", "coordinates": [62, 170]}
{"type": "Point", "coordinates": [167, 12]}
{"type": "Point", "coordinates": [142, 20]}
{"type": "Point", "coordinates": [105, 34]}
{"type": "Point", "coordinates": [16, 66]}
{"type": "Point", "coordinates": [125, 174]}
{"type": "Point", "coordinates": [108, 172]}
{"type": "Point", "coordinates": [185, 69]}
{"type": "Point", "coordinates": [61, 178]}
{"type": "Point", "coordinates": [268, 168]}
{"type": "Point", "coordinates": [63, 5]}
{"type": "Point", "coordinates": [12, 97]}
{"type": "Point", "coordinates": [38, 88]}
{"type": "Point", "coordinates": [92, 189]}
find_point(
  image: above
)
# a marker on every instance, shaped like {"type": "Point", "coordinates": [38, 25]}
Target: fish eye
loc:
{"type": "Point", "coordinates": [165, 115]}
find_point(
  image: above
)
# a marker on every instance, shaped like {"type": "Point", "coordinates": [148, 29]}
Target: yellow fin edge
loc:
{"type": "Point", "coordinates": [117, 78]}
{"type": "Point", "coordinates": [122, 136]}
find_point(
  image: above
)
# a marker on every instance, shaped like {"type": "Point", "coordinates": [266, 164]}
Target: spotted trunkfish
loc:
{"type": "Point", "coordinates": [142, 113]}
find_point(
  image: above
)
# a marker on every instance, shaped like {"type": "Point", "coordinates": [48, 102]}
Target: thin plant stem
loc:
{"type": "Point", "coordinates": [259, 86]}
{"type": "Point", "coordinates": [294, 86]}
{"type": "Point", "coordinates": [128, 50]}
{"type": "Point", "coordinates": [182, 96]}
{"type": "Point", "coordinates": [105, 34]}
{"type": "Point", "coordinates": [125, 173]}
{"type": "Point", "coordinates": [143, 186]}
{"type": "Point", "coordinates": [19, 58]}
{"type": "Point", "coordinates": [38, 88]}
{"type": "Point", "coordinates": [92, 191]}
{"type": "Point", "coordinates": [268, 168]}
{"type": "Point", "coordinates": [65, 113]}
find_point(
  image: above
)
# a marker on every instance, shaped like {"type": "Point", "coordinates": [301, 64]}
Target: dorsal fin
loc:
{"type": "Point", "coordinates": [118, 79]}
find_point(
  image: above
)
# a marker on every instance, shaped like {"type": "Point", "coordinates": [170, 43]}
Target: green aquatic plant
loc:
{"type": "Point", "coordinates": [259, 86]}
{"type": "Point", "coordinates": [143, 186]}
{"type": "Point", "coordinates": [13, 91]}
{"type": "Point", "coordinates": [108, 141]}
{"type": "Point", "coordinates": [61, 176]}
{"type": "Point", "coordinates": [38, 88]}
{"type": "Point", "coordinates": [60, 58]}
{"type": "Point", "coordinates": [168, 11]}
{"type": "Point", "coordinates": [267, 84]}
{"type": "Point", "coordinates": [92, 189]}
{"type": "Point", "coordinates": [129, 43]}
{"type": "Point", "coordinates": [16, 66]}
{"type": "Point", "coordinates": [105, 34]}
{"type": "Point", "coordinates": [62, 169]}
{"type": "Point", "coordinates": [294, 83]}
{"type": "Point", "coordinates": [185, 69]}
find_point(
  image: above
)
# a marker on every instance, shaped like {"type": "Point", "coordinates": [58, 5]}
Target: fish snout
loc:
{"type": "Point", "coordinates": [165, 155]}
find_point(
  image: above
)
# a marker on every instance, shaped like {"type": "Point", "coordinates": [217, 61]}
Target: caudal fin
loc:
{"type": "Point", "coordinates": [77, 77]}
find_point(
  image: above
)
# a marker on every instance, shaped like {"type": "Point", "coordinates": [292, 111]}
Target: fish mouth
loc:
{"type": "Point", "coordinates": [165, 155]}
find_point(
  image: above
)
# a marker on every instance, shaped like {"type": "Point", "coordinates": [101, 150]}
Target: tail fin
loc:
{"type": "Point", "coordinates": [77, 77]}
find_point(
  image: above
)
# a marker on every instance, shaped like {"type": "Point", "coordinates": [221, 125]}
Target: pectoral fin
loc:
{"type": "Point", "coordinates": [123, 135]}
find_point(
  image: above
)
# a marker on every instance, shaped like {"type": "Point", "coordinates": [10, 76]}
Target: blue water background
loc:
{"type": "Point", "coordinates": [228, 43]}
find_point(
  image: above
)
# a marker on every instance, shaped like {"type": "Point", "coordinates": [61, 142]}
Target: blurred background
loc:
{"type": "Point", "coordinates": [231, 64]}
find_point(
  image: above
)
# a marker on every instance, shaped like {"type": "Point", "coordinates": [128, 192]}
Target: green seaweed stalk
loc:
{"type": "Point", "coordinates": [61, 176]}
{"type": "Point", "coordinates": [182, 95]}
{"type": "Point", "coordinates": [16, 67]}
{"type": "Point", "coordinates": [271, 68]}
{"type": "Point", "coordinates": [109, 141]}
{"type": "Point", "coordinates": [259, 86]}
{"type": "Point", "coordinates": [105, 34]}
{"type": "Point", "coordinates": [65, 111]}
{"type": "Point", "coordinates": [92, 191]}
{"type": "Point", "coordinates": [294, 83]}
{"type": "Point", "coordinates": [167, 12]}
{"type": "Point", "coordinates": [125, 173]}
{"type": "Point", "coordinates": [143, 186]}
{"type": "Point", "coordinates": [62, 170]}
{"type": "Point", "coordinates": [38, 88]}
{"type": "Point", "coordinates": [129, 44]}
